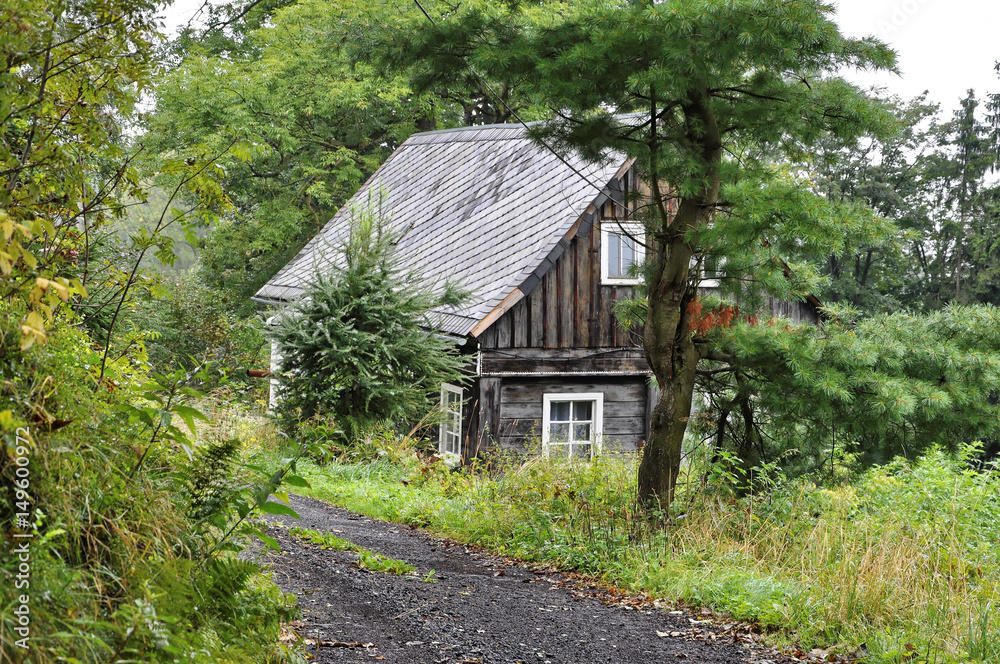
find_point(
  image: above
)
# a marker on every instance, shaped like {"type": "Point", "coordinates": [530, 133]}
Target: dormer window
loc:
{"type": "Point", "coordinates": [622, 250]}
{"type": "Point", "coordinates": [622, 240]}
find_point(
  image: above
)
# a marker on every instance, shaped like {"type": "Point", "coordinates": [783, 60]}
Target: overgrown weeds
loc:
{"type": "Point", "coordinates": [376, 562]}
{"type": "Point", "coordinates": [323, 540]}
{"type": "Point", "coordinates": [132, 514]}
{"type": "Point", "coordinates": [369, 560]}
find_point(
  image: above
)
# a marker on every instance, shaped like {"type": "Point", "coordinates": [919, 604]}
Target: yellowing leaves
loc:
{"type": "Point", "coordinates": [60, 288]}
{"type": "Point", "coordinates": [32, 330]}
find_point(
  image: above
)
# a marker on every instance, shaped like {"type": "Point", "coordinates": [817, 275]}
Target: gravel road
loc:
{"type": "Point", "coordinates": [481, 610]}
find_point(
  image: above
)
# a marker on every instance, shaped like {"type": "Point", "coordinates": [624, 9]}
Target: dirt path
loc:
{"type": "Point", "coordinates": [482, 609]}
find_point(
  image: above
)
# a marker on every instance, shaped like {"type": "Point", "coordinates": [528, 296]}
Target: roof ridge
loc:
{"type": "Point", "coordinates": [498, 125]}
{"type": "Point", "coordinates": [510, 125]}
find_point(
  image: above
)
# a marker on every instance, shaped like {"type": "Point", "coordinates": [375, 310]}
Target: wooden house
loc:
{"type": "Point", "coordinates": [546, 252]}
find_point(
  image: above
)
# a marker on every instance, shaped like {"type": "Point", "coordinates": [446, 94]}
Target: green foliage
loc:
{"type": "Point", "coordinates": [357, 346]}
{"type": "Point", "coordinates": [291, 94]}
{"type": "Point", "coordinates": [176, 239]}
{"type": "Point", "coordinates": [932, 177]}
{"type": "Point", "coordinates": [376, 562]}
{"type": "Point", "coordinates": [66, 89]}
{"type": "Point", "coordinates": [380, 442]}
{"type": "Point", "coordinates": [799, 229]}
{"type": "Point", "coordinates": [128, 533]}
{"type": "Point", "coordinates": [369, 560]}
{"type": "Point", "coordinates": [299, 124]}
{"type": "Point", "coordinates": [208, 480]}
{"type": "Point", "coordinates": [864, 388]}
{"type": "Point", "coordinates": [191, 324]}
{"type": "Point", "coordinates": [896, 176]}
{"type": "Point", "coordinates": [324, 540]}
{"type": "Point", "coordinates": [123, 567]}
{"type": "Point", "coordinates": [708, 97]}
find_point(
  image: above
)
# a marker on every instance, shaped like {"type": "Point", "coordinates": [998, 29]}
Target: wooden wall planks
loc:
{"type": "Point", "coordinates": [521, 399]}
{"type": "Point", "coordinates": [488, 411]}
{"type": "Point", "coordinates": [568, 308]}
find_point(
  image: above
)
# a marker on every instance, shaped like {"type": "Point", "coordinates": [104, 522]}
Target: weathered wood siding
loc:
{"type": "Point", "coordinates": [625, 413]}
{"type": "Point", "coordinates": [525, 361]}
{"type": "Point", "coordinates": [480, 416]}
{"type": "Point", "coordinates": [568, 308]}
{"type": "Point", "coordinates": [797, 312]}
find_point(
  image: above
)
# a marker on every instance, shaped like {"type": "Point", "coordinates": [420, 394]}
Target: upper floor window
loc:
{"type": "Point", "coordinates": [622, 251]}
{"type": "Point", "coordinates": [712, 271]}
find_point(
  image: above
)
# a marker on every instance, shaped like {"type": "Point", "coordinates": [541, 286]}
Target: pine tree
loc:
{"type": "Point", "coordinates": [972, 159]}
{"type": "Point", "coordinates": [708, 96]}
{"type": "Point", "coordinates": [873, 387]}
{"type": "Point", "coordinates": [359, 345]}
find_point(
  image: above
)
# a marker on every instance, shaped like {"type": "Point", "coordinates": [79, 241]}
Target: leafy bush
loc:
{"type": "Point", "coordinates": [191, 325]}
{"type": "Point", "coordinates": [358, 346]}
{"type": "Point", "coordinates": [129, 527]}
{"type": "Point", "coordinates": [130, 536]}
{"type": "Point", "coordinates": [853, 391]}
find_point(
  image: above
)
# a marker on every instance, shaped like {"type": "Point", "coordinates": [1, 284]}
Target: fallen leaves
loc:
{"type": "Point", "coordinates": [290, 633]}
{"type": "Point", "coordinates": [339, 644]}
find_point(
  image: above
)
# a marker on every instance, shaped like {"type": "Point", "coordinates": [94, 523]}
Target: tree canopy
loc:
{"type": "Point", "coordinates": [303, 115]}
{"type": "Point", "coordinates": [712, 99]}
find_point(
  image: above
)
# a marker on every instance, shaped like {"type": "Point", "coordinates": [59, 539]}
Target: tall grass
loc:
{"type": "Point", "coordinates": [905, 559]}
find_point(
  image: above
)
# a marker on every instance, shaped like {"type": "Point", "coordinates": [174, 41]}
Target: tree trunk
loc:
{"type": "Point", "coordinates": [661, 459]}
{"type": "Point", "coordinates": [669, 341]}
{"type": "Point", "coordinates": [671, 352]}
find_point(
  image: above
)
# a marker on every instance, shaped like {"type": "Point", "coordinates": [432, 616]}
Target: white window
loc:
{"type": "Point", "coordinates": [451, 426]}
{"type": "Point", "coordinates": [572, 424]}
{"type": "Point", "coordinates": [275, 385]}
{"type": "Point", "coordinates": [621, 249]}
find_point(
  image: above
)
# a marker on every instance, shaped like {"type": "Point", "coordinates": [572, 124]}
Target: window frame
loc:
{"type": "Point", "coordinates": [446, 389]}
{"type": "Point", "coordinates": [620, 228]}
{"type": "Point", "coordinates": [597, 398]}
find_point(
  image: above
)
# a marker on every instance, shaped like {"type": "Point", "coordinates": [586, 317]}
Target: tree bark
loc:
{"type": "Point", "coordinates": [668, 341]}
{"type": "Point", "coordinates": [671, 353]}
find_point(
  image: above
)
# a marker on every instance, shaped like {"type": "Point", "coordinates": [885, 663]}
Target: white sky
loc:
{"type": "Point", "coordinates": [944, 46]}
{"type": "Point", "coordinates": [177, 14]}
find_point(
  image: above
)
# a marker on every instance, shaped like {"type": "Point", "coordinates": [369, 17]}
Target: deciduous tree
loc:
{"type": "Point", "coordinates": [72, 74]}
{"type": "Point", "coordinates": [295, 90]}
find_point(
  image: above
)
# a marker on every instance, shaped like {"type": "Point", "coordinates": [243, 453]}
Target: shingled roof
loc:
{"type": "Point", "coordinates": [485, 207]}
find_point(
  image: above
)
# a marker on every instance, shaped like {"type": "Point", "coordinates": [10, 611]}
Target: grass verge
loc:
{"type": "Point", "coordinates": [369, 560]}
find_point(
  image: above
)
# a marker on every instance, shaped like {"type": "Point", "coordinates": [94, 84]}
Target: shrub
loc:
{"type": "Point", "coordinates": [359, 346]}
{"type": "Point", "coordinates": [191, 324]}
{"type": "Point", "coordinates": [131, 539]}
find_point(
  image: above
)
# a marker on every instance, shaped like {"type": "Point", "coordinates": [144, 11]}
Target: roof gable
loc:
{"type": "Point", "coordinates": [485, 207]}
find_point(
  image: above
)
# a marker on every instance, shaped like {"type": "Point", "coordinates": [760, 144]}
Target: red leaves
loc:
{"type": "Point", "coordinates": [701, 322]}
{"type": "Point", "coordinates": [694, 308]}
